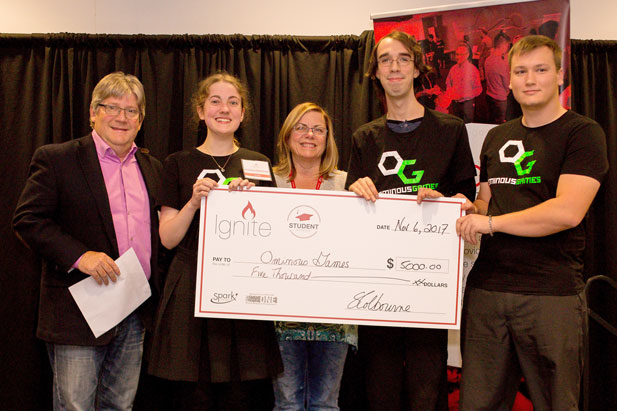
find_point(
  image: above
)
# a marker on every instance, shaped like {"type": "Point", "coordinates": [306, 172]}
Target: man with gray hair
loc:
{"type": "Point", "coordinates": [85, 203]}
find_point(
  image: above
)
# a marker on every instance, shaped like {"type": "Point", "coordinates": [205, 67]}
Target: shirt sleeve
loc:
{"type": "Point", "coordinates": [483, 158]}
{"type": "Point", "coordinates": [355, 170]}
{"type": "Point", "coordinates": [476, 83]}
{"type": "Point", "coordinates": [170, 188]}
{"type": "Point", "coordinates": [35, 216]}
{"type": "Point", "coordinates": [587, 153]}
{"type": "Point", "coordinates": [462, 168]}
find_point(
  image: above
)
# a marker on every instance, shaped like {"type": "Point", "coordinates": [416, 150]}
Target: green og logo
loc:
{"type": "Point", "coordinates": [399, 168]}
{"type": "Point", "coordinates": [518, 158]}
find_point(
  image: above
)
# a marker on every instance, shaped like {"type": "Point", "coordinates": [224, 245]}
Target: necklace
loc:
{"type": "Point", "coordinates": [222, 168]}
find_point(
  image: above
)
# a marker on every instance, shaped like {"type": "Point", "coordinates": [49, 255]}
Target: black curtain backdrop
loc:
{"type": "Point", "coordinates": [594, 94]}
{"type": "Point", "coordinates": [46, 83]}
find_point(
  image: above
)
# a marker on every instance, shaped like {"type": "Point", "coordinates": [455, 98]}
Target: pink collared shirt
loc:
{"type": "Point", "coordinates": [128, 201]}
{"type": "Point", "coordinates": [464, 81]}
{"type": "Point", "coordinates": [497, 73]}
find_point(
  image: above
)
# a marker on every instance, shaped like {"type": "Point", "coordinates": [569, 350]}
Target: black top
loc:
{"type": "Point", "coordinates": [188, 348]}
{"type": "Point", "coordinates": [434, 155]}
{"type": "Point", "coordinates": [181, 169]}
{"type": "Point", "coordinates": [522, 166]}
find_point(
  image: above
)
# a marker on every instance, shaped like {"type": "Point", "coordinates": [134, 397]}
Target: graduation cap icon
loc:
{"type": "Point", "coordinates": [304, 217]}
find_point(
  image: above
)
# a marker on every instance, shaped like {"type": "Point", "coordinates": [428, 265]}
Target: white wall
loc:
{"type": "Point", "coordinates": [591, 19]}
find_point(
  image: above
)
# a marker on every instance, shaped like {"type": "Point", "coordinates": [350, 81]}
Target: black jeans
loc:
{"type": "Point", "coordinates": [506, 336]}
{"type": "Point", "coordinates": [405, 368]}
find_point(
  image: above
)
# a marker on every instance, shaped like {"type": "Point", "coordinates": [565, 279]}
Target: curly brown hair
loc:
{"type": "Point", "coordinates": [410, 44]}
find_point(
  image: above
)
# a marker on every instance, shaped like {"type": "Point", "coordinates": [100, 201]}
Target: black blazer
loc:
{"type": "Point", "coordinates": [63, 212]}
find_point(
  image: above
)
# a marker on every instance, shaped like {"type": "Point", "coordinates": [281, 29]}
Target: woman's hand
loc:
{"type": "Point", "coordinates": [201, 188]}
{"type": "Point", "coordinates": [240, 184]}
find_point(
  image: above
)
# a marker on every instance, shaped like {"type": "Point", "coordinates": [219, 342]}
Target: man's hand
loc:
{"type": "Point", "coordinates": [424, 192]}
{"type": "Point", "coordinates": [365, 187]}
{"type": "Point", "coordinates": [468, 206]}
{"type": "Point", "coordinates": [471, 225]}
{"type": "Point", "coordinates": [100, 266]}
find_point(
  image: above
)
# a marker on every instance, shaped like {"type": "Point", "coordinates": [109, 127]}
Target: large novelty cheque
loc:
{"type": "Point", "coordinates": [329, 257]}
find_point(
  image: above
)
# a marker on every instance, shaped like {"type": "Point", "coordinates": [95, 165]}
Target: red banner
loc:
{"type": "Point", "coordinates": [484, 34]}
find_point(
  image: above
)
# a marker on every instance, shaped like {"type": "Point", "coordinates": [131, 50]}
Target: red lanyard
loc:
{"type": "Point", "coordinates": [319, 180]}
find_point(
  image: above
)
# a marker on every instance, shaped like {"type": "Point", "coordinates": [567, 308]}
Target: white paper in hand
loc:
{"type": "Point", "coordinates": [105, 306]}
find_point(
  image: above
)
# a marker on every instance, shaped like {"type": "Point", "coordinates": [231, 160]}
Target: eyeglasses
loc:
{"type": "Point", "coordinates": [386, 61]}
{"type": "Point", "coordinates": [131, 113]}
{"type": "Point", "coordinates": [304, 129]}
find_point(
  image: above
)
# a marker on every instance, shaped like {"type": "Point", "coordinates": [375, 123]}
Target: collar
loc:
{"type": "Point", "coordinates": [103, 150]}
{"type": "Point", "coordinates": [407, 126]}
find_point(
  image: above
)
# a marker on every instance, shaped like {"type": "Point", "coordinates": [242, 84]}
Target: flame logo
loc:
{"type": "Point", "coordinates": [250, 210]}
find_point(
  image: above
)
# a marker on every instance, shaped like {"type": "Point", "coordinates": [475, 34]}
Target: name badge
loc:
{"type": "Point", "coordinates": [256, 170]}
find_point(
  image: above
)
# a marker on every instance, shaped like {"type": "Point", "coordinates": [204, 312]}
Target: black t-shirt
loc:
{"type": "Point", "coordinates": [181, 169]}
{"type": "Point", "coordinates": [522, 166]}
{"type": "Point", "coordinates": [435, 155]}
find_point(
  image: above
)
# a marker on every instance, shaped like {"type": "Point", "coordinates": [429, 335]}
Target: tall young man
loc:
{"type": "Point", "coordinates": [524, 311]}
{"type": "Point", "coordinates": [435, 150]}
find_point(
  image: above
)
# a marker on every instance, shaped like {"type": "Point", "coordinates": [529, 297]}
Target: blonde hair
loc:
{"type": "Point", "coordinates": [329, 158]}
{"type": "Point", "coordinates": [530, 43]}
{"type": "Point", "coordinates": [118, 85]}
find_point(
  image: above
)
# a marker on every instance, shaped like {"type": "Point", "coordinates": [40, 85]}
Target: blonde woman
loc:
{"type": "Point", "coordinates": [313, 354]}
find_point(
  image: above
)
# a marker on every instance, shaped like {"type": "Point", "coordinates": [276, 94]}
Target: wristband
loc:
{"type": "Point", "coordinates": [490, 225]}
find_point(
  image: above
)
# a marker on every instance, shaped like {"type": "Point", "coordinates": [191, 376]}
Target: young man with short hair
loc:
{"type": "Point", "coordinates": [524, 311]}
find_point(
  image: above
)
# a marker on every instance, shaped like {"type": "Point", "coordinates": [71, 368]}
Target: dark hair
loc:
{"type": "Point", "coordinates": [410, 44]}
{"type": "Point", "coordinates": [549, 29]}
{"type": "Point", "coordinates": [500, 38]}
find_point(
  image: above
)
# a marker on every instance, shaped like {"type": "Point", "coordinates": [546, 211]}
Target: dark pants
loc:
{"type": "Point", "coordinates": [253, 395]}
{"type": "Point", "coordinates": [464, 110]}
{"type": "Point", "coordinates": [405, 368]}
{"type": "Point", "coordinates": [496, 109]}
{"type": "Point", "coordinates": [506, 336]}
